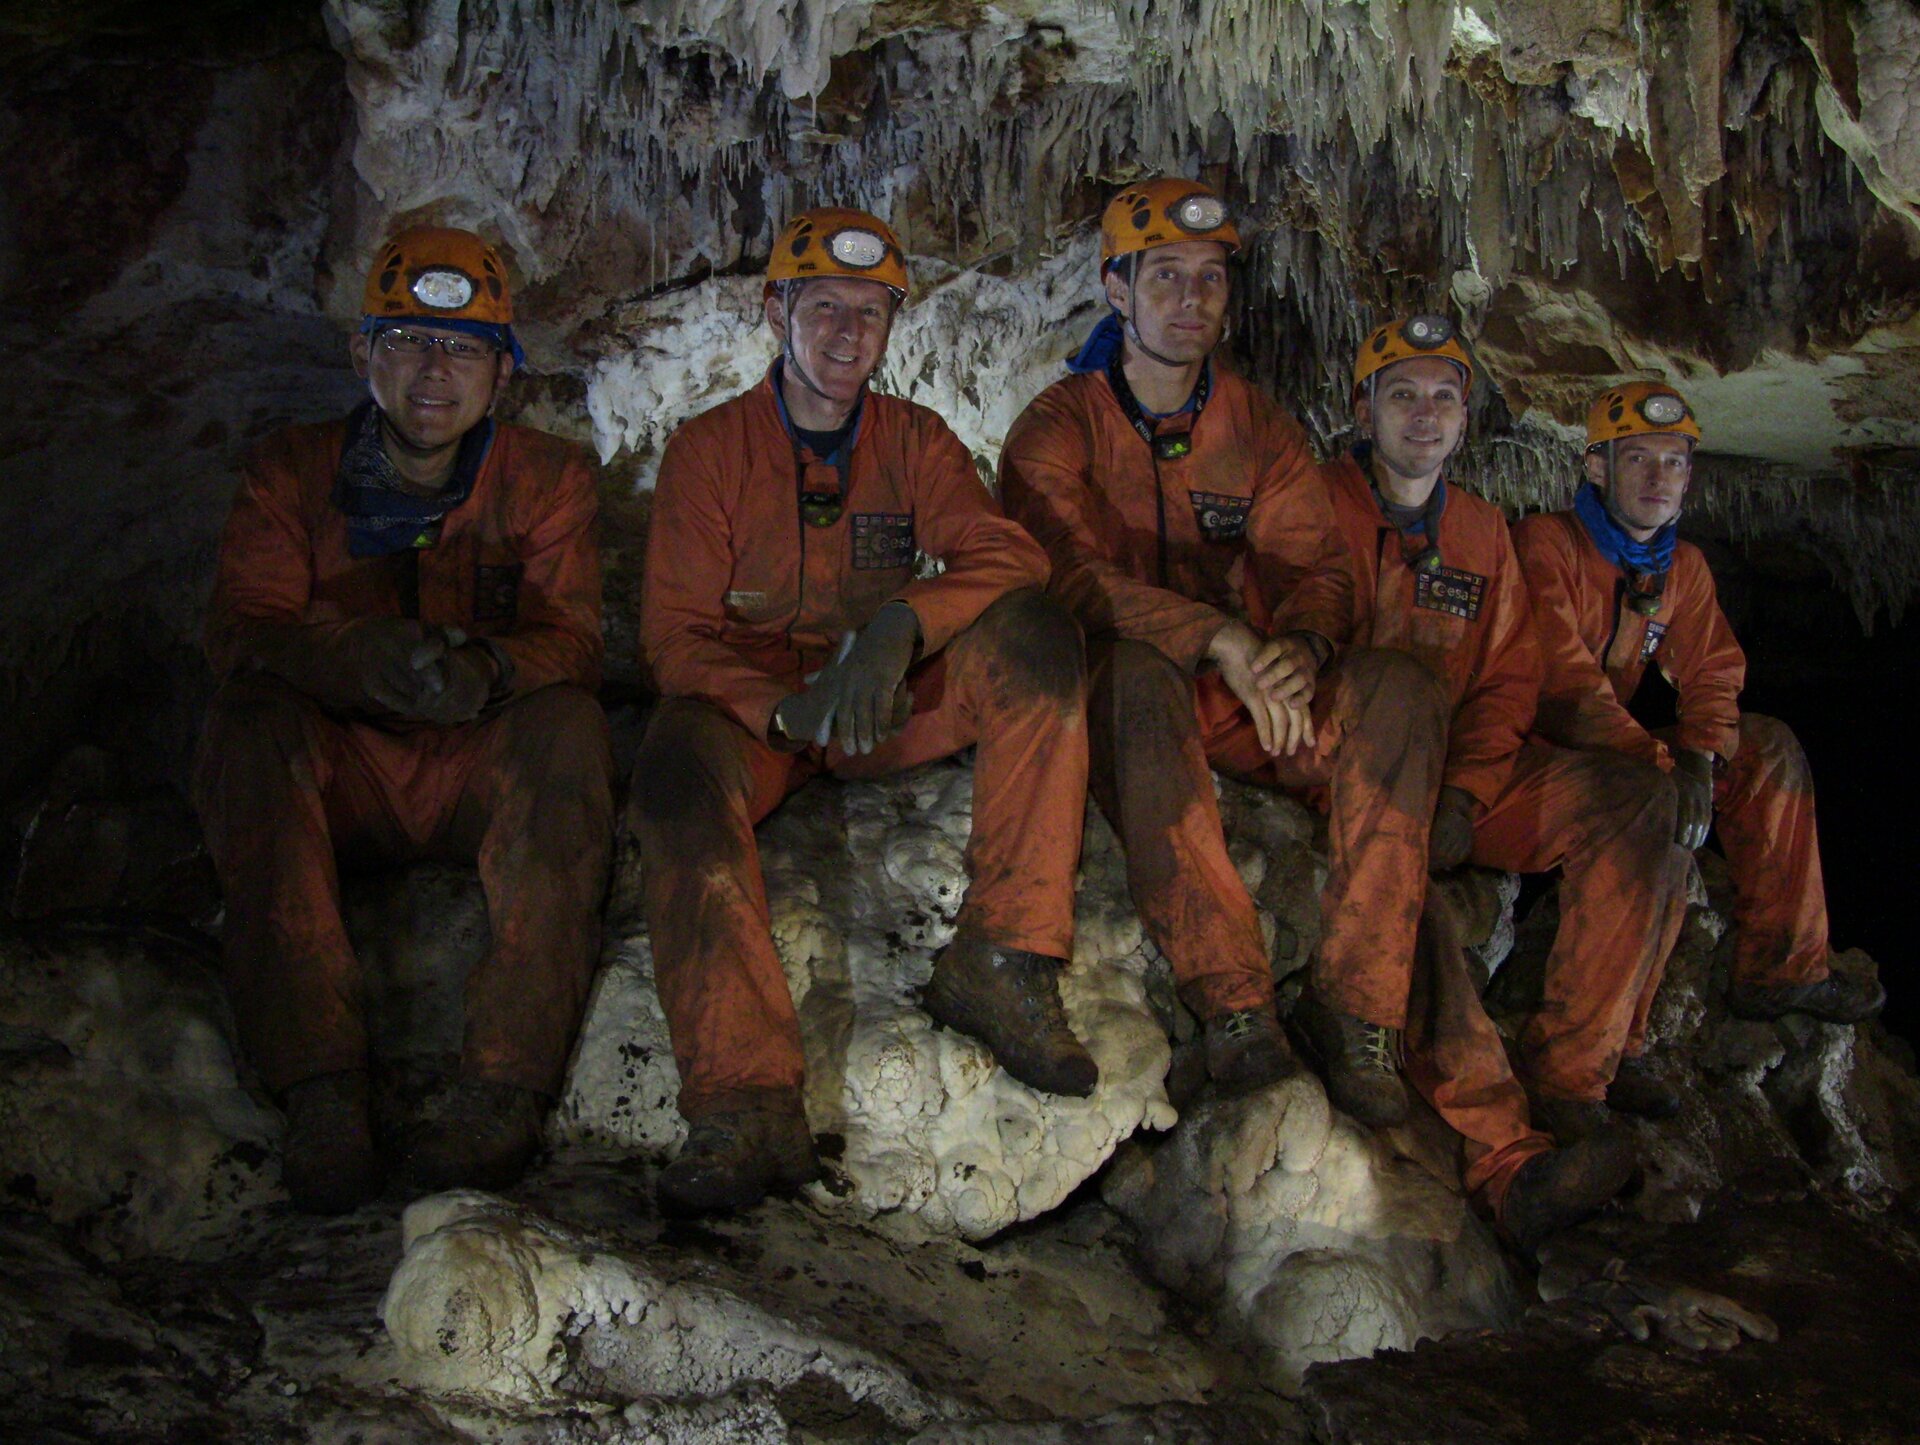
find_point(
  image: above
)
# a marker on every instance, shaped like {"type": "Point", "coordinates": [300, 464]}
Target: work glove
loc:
{"type": "Point", "coordinates": [859, 695]}
{"type": "Point", "coordinates": [458, 683]}
{"type": "Point", "coordinates": [1694, 1319]}
{"type": "Point", "coordinates": [1693, 779]}
{"type": "Point", "coordinates": [1450, 839]}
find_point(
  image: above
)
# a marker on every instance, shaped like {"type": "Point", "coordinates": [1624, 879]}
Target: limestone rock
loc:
{"type": "Point", "coordinates": [120, 1109]}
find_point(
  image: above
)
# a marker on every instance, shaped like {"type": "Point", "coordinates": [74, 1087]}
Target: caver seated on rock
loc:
{"type": "Point", "coordinates": [406, 622]}
{"type": "Point", "coordinates": [787, 629]}
{"type": "Point", "coordinates": [1613, 591]}
{"type": "Point", "coordinates": [1156, 478]}
{"type": "Point", "coordinates": [1436, 577]}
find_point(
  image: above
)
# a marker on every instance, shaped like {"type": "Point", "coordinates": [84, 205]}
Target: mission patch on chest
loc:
{"type": "Point", "coordinates": [882, 539]}
{"type": "Point", "coordinates": [1650, 644]}
{"type": "Point", "coordinates": [1221, 516]}
{"type": "Point", "coordinates": [1448, 589]}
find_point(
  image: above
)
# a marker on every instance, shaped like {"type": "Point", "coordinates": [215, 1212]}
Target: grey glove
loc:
{"type": "Point", "coordinates": [1693, 780]}
{"type": "Point", "coordinates": [1450, 839]}
{"type": "Point", "coordinates": [1692, 1318]}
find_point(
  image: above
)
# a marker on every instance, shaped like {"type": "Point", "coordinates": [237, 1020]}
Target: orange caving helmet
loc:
{"type": "Point", "coordinates": [1161, 213]}
{"type": "Point", "coordinates": [1637, 409]}
{"type": "Point", "coordinates": [834, 241]}
{"type": "Point", "coordinates": [432, 273]}
{"type": "Point", "coordinates": [1405, 338]}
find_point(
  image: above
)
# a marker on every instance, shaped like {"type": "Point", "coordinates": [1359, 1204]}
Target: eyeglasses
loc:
{"type": "Point", "coordinates": [401, 342]}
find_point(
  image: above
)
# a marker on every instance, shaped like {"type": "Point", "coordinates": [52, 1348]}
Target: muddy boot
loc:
{"type": "Point", "coordinates": [327, 1159]}
{"type": "Point", "coordinates": [477, 1135]}
{"type": "Point", "coordinates": [1359, 1061]}
{"type": "Point", "coordinates": [1557, 1188]}
{"type": "Point", "coordinates": [1009, 999]}
{"type": "Point", "coordinates": [734, 1157]}
{"type": "Point", "coordinates": [1636, 1089]}
{"type": "Point", "coordinates": [1839, 998]}
{"type": "Point", "coordinates": [1246, 1051]}
{"type": "Point", "coordinates": [1571, 1120]}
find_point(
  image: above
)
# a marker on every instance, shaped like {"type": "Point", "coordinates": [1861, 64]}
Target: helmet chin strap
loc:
{"type": "Point", "coordinates": [786, 348]}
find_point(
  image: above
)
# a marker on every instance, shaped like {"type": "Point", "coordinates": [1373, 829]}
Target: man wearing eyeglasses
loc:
{"type": "Point", "coordinates": [792, 632]}
{"type": "Point", "coordinates": [406, 625]}
{"type": "Point", "coordinates": [1614, 591]}
{"type": "Point", "coordinates": [1162, 484]}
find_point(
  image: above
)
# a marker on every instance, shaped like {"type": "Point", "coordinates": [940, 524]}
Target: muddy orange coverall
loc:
{"type": "Point", "coordinates": [526, 788]}
{"type": "Point", "coordinates": [742, 600]}
{"type": "Point", "coordinates": [1596, 651]}
{"type": "Point", "coordinates": [1596, 816]}
{"type": "Point", "coordinates": [1151, 545]}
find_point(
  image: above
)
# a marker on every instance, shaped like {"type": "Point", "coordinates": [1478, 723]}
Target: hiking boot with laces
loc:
{"type": "Point", "coordinates": [1246, 1051]}
{"type": "Point", "coordinates": [1839, 998]}
{"type": "Point", "coordinates": [1636, 1089]}
{"type": "Point", "coordinates": [734, 1157]}
{"type": "Point", "coordinates": [1557, 1188]}
{"type": "Point", "coordinates": [327, 1158]}
{"type": "Point", "coordinates": [1361, 1062]}
{"type": "Point", "coordinates": [1571, 1120]}
{"type": "Point", "coordinates": [478, 1135]}
{"type": "Point", "coordinates": [1009, 999]}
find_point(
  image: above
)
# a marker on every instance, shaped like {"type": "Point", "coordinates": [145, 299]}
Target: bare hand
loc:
{"type": "Point", "coordinates": [1273, 678]}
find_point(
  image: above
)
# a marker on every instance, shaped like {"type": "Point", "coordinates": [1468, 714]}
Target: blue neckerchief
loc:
{"type": "Point", "coordinates": [1653, 556]}
{"type": "Point", "coordinates": [844, 452]}
{"type": "Point", "coordinates": [382, 516]}
{"type": "Point", "coordinates": [1101, 348]}
{"type": "Point", "coordinates": [500, 336]}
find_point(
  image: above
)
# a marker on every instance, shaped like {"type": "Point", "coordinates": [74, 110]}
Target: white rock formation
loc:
{"type": "Point", "coordinates": [864, 882]}
{"type": "Point", "coordinates": [120, 1110]}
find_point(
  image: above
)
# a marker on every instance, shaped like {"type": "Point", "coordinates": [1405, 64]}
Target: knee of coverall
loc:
{"type": "Point", "coordinates": [1768, 748]}
{"type": "Point", "coordinates": [1033, 647]}
{"type": "Point", "coordinates": [1145, 684]}
{"type": "Point", "coordinates": [1633, 797]}
{"type": "Point", "coordinates": [250, 718]}
{"type": "Point", "coordinates": [687, 768]}
{"type": "Point", "coordinates": [556, 749]}
{"type": "Point", "coordinates": [1398, 701]}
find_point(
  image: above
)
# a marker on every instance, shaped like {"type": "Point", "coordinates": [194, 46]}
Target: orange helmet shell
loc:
{"type": "Point", "coordinates": [1163, 212]}
{"type": "Point", "coordinates": [835, 241]}
{"type": "Point", "coordinates": [1407, 338]}
{"type": "Point", "coordinates": [1637, 409]}
{"type": "Point", "coordinates": [431, 272]}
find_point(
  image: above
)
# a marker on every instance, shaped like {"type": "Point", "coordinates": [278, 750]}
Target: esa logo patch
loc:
{"type": "Point", "coordinates": [882, 539]}
{"type": "Point", "coordinates": [1221, 516]}
{"type": "Point", "coordinates": [1650, 644]}
{"type": "Point", "coordinates": [1448, 589]}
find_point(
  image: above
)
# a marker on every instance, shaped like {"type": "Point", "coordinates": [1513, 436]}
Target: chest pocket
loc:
{"type": "Point", "coordinates": [496, 593]}
{"type": "Point", "coordinates": [882, 540]}
{"type": "Point", "coordinates": [1220, 516]}
{"type": "Point", "coordinates": [1650, 644]}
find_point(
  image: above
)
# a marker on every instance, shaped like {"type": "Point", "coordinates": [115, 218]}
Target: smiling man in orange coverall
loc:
{"type": "Point", "coordinates": [1613, 590]}
{"type": "Point", "coordinates": [406, 619]}
{"type": "Point", "coordinates": [1436, 576]}
{"type": "Point", "coordinates": [1158, 480]}
{"type": "Point", "coordinates": [790, 634]}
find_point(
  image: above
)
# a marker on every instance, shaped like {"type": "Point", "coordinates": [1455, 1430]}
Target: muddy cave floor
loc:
{"type": "Point", "coordinates": [1047, 1329]}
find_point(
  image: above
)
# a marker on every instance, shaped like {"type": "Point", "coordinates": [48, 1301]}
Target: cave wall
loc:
{"type": "Point", "coordinates": [1724, 192]}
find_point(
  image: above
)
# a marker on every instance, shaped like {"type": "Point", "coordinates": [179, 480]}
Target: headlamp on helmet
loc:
{"type": "Point", "coordinates": [1163, 212]}
{"type": "Point", "coordinates": [860, 249]}
{"type": "Point", "coordinates": [1662, 408]}
{"type": "Point", "coordinates": [1423, 334]}
{"type": "Point", "coordinates": [836, 241]}
{"type": "Point", "coordinates": [1639, 408]}
{"type": "Point", "coordinates": [441, 288]}
{"type": "Point", "coordinates": [1427, 333]}
{"type": "Point", "coordinates": [1198, 213]}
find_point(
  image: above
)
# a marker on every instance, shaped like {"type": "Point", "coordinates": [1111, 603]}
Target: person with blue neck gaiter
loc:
{"type": "Point", "coordinates": [406, 626]}
{"type": "Point", "coordinates": [1615, 591]}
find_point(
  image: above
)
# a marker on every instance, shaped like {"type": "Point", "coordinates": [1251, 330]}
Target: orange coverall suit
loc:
{"type": "Point", "coordinates": [1597, 650]}
{"type": "Point", "coordinates": [742, 600]}
{"type": "Point", "coordinates": [1151, 546]}
{"type": "Point", "coordinates": [1542, 807]}
{"type": "Point", "coordinates": [526, 788]}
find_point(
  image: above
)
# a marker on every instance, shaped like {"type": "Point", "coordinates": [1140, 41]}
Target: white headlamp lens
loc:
{"type": "Point", "coordinates": [1200, 213]}
{"type": "Point", "coordinates": [860, 249]}
{"type": "Point", "coordinates": [443, 289]}
{"type": "Point", "coordinates": [1663, 408]}
{"type": "Point", "coordinates": [1428, 332]}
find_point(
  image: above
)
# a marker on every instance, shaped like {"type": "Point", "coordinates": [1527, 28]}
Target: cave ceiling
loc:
{"type": "Point", "coordinates": [1722, 192]}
